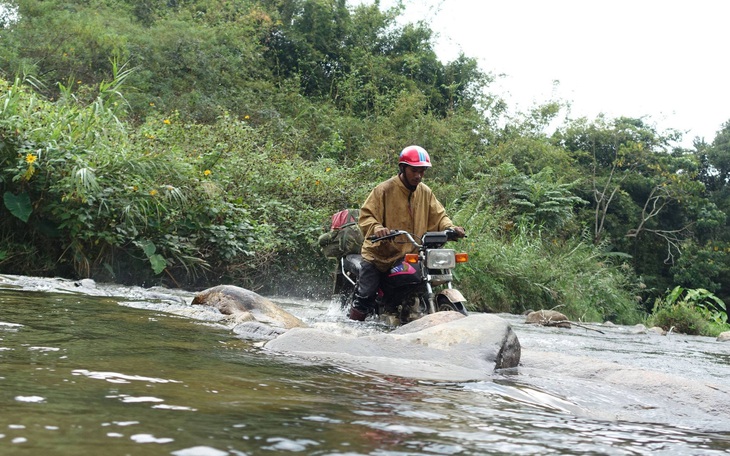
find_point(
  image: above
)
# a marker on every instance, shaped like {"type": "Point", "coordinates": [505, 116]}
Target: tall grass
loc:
{"type": "Point", "coordinates": [516, 266]}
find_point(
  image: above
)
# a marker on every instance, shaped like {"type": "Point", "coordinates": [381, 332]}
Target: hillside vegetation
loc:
{"type": "Point", "coordinates": [196, 142]}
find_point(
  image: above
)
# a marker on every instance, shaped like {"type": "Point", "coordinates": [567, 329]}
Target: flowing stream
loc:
{"type": "Point", "coordinates": [131, 371]}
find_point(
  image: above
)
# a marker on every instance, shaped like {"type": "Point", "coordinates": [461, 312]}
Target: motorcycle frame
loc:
{"type": "Point", "coordinates": [343, 281]}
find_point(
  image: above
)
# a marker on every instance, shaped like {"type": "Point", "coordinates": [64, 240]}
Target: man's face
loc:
{"type": "Point", "coordinates": [414, 175]}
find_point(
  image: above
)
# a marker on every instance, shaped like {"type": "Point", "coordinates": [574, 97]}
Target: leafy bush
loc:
{"type": "Point", "coordinates": [679, 317]}
{"type": "Point", "coordinates": [515, 265]}
{"type": "Point", "coordinates": [107, 202]}
{"type": "Point", "coordinates": [690, 311]}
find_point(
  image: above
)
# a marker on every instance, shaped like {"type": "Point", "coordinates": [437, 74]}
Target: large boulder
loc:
{"type": "Point", "coordinates": [445, 346]}
{"type": "Point", "coordinates": [256, 317]}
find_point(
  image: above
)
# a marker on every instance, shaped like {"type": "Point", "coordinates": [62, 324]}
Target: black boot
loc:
{"type": "Point", "coordinates": [361, 308]}
{"type": "Point", "coordinates": [357, 314]}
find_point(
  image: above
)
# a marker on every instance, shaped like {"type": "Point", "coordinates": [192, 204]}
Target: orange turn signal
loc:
{"type": "Point", "coordinates": [412, 258]}
{"type": "Point", "coordinates": [462, 257]}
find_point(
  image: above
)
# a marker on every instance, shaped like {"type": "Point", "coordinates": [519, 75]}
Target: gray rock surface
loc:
{"type": "Point", "coordinates": [445, 346]}
{"type": "Point", "coordinates": [624, 375]}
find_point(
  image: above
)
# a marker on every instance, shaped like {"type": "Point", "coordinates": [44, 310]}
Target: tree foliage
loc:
{"type": "Point", "coordinates": [197, 141]}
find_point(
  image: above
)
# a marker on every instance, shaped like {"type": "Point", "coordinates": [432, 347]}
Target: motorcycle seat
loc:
{"type": "Point", "coordinates": [353, 263]}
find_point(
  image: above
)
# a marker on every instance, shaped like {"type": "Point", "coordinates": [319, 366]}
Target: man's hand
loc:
{"type": "Point", "coordinates": [460, 232]}
{"type": "Point", "coordinates": [382, 232]}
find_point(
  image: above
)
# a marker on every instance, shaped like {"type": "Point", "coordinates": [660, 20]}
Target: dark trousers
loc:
{"type": "Point", "coordinates": [368, 282]}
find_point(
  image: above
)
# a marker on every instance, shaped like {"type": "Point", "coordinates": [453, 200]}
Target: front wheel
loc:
{"type": "Point", "coordinates": [444, 305]}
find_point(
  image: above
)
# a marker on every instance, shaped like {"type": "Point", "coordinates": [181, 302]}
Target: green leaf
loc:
{"type": "Point", "coordinates": [18, 205]}
{"type": "Point", "coordinates": [158, 263]}
{"type": "Point", "coordinates": [618, 255]}
{"type": "Point", "coordinates": [719, 302]}
{"type": "Point", "coordinates": [148, 247]}
{"type": "Point", "coordinates": [674, 295]}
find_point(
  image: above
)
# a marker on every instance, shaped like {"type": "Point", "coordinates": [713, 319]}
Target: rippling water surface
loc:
{"type": "Point", "coordinates": [86, 375]}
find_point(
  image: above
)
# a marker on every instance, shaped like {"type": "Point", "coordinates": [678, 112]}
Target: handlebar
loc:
{"type": "Point", "coordinates": [391, 235]}
{"type": "Point", "coordinates": [451, 235]}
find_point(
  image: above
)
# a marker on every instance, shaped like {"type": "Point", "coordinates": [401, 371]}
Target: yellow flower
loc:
{"type": "Point", "coordinates": [206, 172]}
{"type": "Point", "coordinates": [328, 169]}
{"type": "Point", "coordinates": [151, 103]}
{"type": "Point", "coordinates": [166, 121]}
{"type": "Point", "coordinates": [246, 117]}
{"type": "Point", "coordinates": [153, 192]}
{"type": "Point", "coordinates": [316, 182]}
{"type": "Point", "coordinates": [30, 159]}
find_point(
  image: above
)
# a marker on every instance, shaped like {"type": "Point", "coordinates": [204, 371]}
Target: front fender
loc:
{"type": "Point", "coordinates": [453, 295]}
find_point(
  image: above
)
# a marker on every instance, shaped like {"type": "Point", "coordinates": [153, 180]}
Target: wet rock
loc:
{"type": "Point", "coordinates": [548, 318]}
{"type": "Point", "coordinates": [624, 376]}
{"type": "Point", "coordinates": [724, 336]}
{"type": "Point", "coordinates": [622, 389]}
{"type": "Point", "coordinates": [428, 321]}
{"type": "Point", "coordinates": [85, 283]}
{"type": "Point", "coordinates": [246, 306]}
{"type": "Point", "coordinates": [254, 330]}
{"type": "Point", "coordinates": [445, 346]}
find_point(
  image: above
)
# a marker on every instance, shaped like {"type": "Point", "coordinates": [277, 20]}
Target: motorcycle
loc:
{"type": "Point", "coordinates": [420, 285]}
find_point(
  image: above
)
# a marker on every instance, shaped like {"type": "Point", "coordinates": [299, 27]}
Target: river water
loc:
{"type": "Point", "coordinates": [114, 372]}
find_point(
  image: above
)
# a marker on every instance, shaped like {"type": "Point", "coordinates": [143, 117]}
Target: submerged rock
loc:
{"type": "Point", "coordinates": [248, 308]}
{"type": "Point", "coordinates": [620, 390]}
{"type": "Point", "coordinates": [445, 346]}
{"type": "Point", "coordinates": [257, 331]}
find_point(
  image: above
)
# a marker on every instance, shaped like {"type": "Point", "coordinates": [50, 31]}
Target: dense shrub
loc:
{"type": "Point", "coordinates": [690, 311]}
{"type": "Point", "coordinates": [517, 265]}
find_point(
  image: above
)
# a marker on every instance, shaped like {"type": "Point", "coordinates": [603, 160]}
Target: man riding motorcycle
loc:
{"type": "Point", "coordinates": [402, 202]}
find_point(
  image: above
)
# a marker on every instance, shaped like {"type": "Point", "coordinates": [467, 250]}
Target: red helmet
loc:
{"type": "Point", "coordinates": [415, 156]}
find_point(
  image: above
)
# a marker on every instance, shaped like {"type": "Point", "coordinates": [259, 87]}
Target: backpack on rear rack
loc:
{"type": "Point", "coordinates": [344, 235]}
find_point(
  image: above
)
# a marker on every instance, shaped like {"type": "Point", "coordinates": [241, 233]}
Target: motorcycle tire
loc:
{"type": "Point", "coordinates": [444, 305]}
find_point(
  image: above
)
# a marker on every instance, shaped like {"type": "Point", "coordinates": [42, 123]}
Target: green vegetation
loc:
{"type": "Point", "coordinates": [690, 311]}
{"type": "Point", "coordinates": [200, 142]}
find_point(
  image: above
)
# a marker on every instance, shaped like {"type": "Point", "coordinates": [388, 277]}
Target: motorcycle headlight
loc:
{"type": "Point", "coordinates": [440, 259]}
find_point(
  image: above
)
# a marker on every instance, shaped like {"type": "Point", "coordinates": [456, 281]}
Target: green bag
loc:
{"type": "Point", "coordinates": [344, 236]}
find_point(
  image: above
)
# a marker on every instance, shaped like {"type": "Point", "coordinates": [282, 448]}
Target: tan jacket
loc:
{"type": "Point", "coordinates": [391, 205]}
